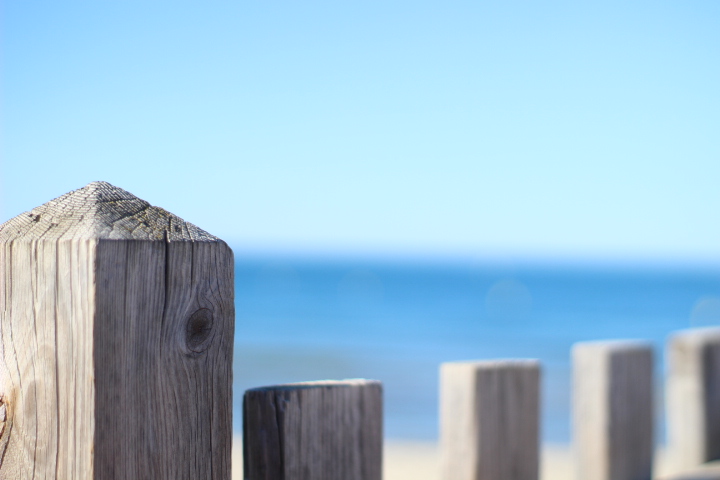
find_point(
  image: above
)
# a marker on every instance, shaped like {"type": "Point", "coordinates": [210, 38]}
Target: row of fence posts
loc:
{"type": "Point", "coordinates": [116, 346]}
{"type": "Point", "coordinates": [490, 417]}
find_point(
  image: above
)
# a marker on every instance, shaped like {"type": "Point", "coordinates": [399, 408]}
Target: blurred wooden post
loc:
{"type": "Point", "coordinates": [490, 420]}
{"type": "Point", "coordinates": [693, 397]}
{"type": "Point", "coordinates": [328, 430]}
{"type": "Point", "coordinates": [613, 410]}
{"type": "Point", "coordinates": [116, 341]}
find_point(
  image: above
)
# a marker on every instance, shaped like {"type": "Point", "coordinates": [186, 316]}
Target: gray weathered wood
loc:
{"type": "Point", "coordinates": [693, 397]}
{"type": "Point", "coordinates": [328, 430]}
{"type": "Point", "coordinates": [116, 337]}
{"type": "Point", "coordinates": [613, 410]}
{"type": "Point", "coordinates": [489, 426]}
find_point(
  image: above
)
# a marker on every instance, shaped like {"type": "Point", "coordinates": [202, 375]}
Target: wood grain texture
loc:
{"type": "Point", "coordinates": [693, 397]}
{"type": "Point", "coordinates": [116, 336]}
{"type": "Point", "coordinates": [489, 426]}
{"type": "Point", "coordinates": [101, 211]}
{"type": "Point", "coordinates": [327, 430]}
{"type": "Point", "coordinates": [613, 410]}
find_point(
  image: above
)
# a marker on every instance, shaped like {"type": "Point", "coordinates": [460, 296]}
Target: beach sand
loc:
{"type": "Point", "coordinates": [412, 460]}
{"type": "Point", "coordinates": [416, 460]}
{"type": "Point", "coordinates": [421, 461]}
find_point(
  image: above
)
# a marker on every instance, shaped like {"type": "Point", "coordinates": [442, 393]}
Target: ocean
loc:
{"type": "Point", "coordinates": [303, 319]}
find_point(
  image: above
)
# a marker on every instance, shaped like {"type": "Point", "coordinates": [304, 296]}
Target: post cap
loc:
{"type": "Point", "coordinates": [101, 211]}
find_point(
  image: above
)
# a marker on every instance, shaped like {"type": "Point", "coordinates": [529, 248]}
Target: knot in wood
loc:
{"type": "Point", "coordinates": [3, 411]}
{"type": "Point", "coordinates": [198, 331]}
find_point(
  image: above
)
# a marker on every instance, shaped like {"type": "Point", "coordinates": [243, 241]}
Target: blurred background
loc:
{"type": "Point", "coordinates": [403, 183]}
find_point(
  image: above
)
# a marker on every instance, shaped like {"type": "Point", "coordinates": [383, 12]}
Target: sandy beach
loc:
{"type": "Point", "coordinates": [414, 460]}
{"type": "Point", "coordinates": [418, 460]}
{"type": "Point", "coordinates": [421, 461]}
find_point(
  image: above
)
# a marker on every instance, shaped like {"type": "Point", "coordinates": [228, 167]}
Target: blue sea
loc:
{"type": "Point", "coordinates": [312, 319]}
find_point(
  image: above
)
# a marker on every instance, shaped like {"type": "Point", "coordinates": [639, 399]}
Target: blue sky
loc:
{"type": "Point", "coordinates": [551, 130]}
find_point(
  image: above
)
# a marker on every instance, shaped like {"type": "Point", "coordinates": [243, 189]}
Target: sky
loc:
{"type": "Point", "coordinates": [540, 130]}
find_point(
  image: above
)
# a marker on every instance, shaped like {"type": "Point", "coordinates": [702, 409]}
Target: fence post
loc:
{"type": "Point", "coordinates": [489, 413]}
{"type": "Point", "coordinates": [693, 397]}
{"type": "Point", "coordinates": [613, 410]}
{"type": "Point", "coordinates": [116, 341]}
{"type": "Point", "coordinates": [327, 430]}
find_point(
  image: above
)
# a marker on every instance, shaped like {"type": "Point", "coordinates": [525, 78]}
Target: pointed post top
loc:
{"type": "Point", "coordinates": [101, 211]}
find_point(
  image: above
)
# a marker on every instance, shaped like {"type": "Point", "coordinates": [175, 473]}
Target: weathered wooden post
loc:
{"type": "Point", "coordinates": [328, 430]}
{"type": "Point", "coordinates": [116, 341]}
{"type": "Point", "coordinates": [613, 410]}
{"type": "Point", "coordinates": [489, 414]}
{"type": "Point", "coordinates": [693, 397]}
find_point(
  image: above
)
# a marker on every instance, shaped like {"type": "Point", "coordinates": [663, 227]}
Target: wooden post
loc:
{"type": "Point", "coordinates": [490, 420]}
{"type": "Point", "coordinates": [613, 410]}
{"type": "Point", "coordinates": [327, 430]}
{"type": "Point", "coordinates": [693, 397]}
{"type": "Point", "coordinates": [116, 341]}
